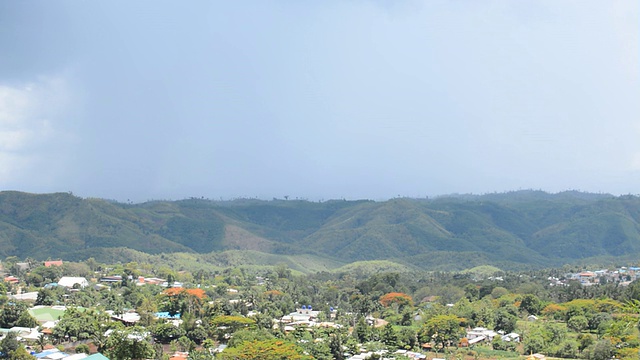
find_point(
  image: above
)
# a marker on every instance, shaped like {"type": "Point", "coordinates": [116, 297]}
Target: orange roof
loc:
{"type": "Point", "coordinates": [178, 355]}
{"type": "Point", "coordinates": [53, 263]}
{"type": "Point", "coordinates": [199, 293]}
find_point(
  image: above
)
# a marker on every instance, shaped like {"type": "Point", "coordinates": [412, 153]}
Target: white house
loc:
{"type": "Point", "coordinates": [511, 337]}
{"type": "Point", "coordinates": [70, 281]}
{"type": "Point", "coordinates": [479, 332]}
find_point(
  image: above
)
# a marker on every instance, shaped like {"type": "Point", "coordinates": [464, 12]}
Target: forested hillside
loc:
{"type": "Point", "coordinates": [510, 230]}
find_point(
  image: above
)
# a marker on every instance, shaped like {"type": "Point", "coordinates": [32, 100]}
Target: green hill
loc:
{"type": "Point", "coordinates": [509, 230]}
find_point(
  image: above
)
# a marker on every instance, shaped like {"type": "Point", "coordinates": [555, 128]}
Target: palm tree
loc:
{"type": "Point", "coordinates": [100, 340]}
{"type": "Point", "coordinates": [42, 341]}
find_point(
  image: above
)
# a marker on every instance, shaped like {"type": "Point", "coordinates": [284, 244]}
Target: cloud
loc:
{"type": "Point", "coordinates": [28, 131]}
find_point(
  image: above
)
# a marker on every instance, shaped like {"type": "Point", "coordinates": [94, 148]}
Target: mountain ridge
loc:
{"type": "Point", "coordinates": [528, 228]}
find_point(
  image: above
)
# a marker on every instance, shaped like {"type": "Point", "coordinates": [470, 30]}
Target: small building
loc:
{"type": "Point", "coordinates": [511, 337]}
{"type": "Point", "coordinates": [179, 355]}
{"type": "Point", "coordinates": [536, 356]}
{"type": "Point", "coordinates": [11, 280]}
{"type": "Point", "coordinates": [27, 296]}
{"type": "Point", "coordinates": [481, 334]}
{"type": "Point", "coordinates": [70, 282]}
{"type": "Point", "coordinates": [23, 266]}
{"type": "Point", "coordinates": [127, 318]}
{"type": "Point", "coordinates": [51, 263]}
{"type": "Point", "coordinates": [111, 279]}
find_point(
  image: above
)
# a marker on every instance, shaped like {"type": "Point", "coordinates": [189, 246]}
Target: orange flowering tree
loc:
{"type": "Point", "coordinates": [180, 300]}
{"type": "Point", "coordinates": [401, 299]}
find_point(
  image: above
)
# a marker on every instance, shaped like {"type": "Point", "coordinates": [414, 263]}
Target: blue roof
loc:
{"type": "Point", "coordinates": [165, 315]}
{"type": "Point", "coordinates": [48, 352]}
{"type": "Point", "coordinates": [96, 356]}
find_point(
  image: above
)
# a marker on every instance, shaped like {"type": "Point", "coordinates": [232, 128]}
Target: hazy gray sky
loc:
{"type": "Point", "coordinates": [318, 99]}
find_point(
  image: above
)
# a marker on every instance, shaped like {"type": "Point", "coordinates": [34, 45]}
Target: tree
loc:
{"type": "Point", "coordinates": [601, 350]}
{"type": "Point", "coordinates": [335, 345]}
{"type": "Point", "coordinates": [26, 320]}
{"type": "Point", "coordinates": [197, 334]}
{"type": "Point", "coordinates": [499, 292]}
{"type": "Point", "coordinates": [471, 292]}
{"type": "Point", "coordinates": [186, 344]}
{"type": "Point", "coordinates": [361, 330]}
{"type": "Point", "coordinates": [45, 297]}
{"type": "Point", "coordinates": [578, 323]}
{"type": "Point", "coordinates": [531, 304]}
{"type": "Point", "coordinates": [499, 344]}
{"type": "Point", "coordinates": [42, 341]}
{"type": "Point", "coordinates": [79, 324]}
{"type": "Point", "coordinates": [264, 350]}
{"type": "Point", "coordinates": [389, 336]}
{"type": "Point", "coordinates": [442, 329]}
{"type": "Point", "coordinates": [407, 338]}
{"type": "Point", "coordinates": [554, 333]}
{"type": "Point", "coordinates": [11, 313]}
{"type": "Point", "coordinates": [400, 299]}
{"type": "Point", "coordinates": [130, 344]}
{"type": "Point", "coordinates": [83, 348]}
{"type": "Point", "coordinates": [234, 323]}
{"type": "Point", "coordinates": [567, 349]}
{"type": "Point", "coordinates": [585, 340]}
{"type": "Point", "coordinates": [505, 321]}
{"type": "Point", "coordinates": [21, 354]}
{"type": "Point", "coordinates": [242, 336]}
{"type": "Point", "coordinates": [166, 332]}
{"type": "Point", "coordinates": [533, 343]}
{"type": "Point", "coordinates": [9, 344]}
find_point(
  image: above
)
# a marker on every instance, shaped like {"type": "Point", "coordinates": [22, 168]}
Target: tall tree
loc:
{"type": "Point", "coordinates": [442, 329]}
{"type": "Point", "coordinates": [129, 344]}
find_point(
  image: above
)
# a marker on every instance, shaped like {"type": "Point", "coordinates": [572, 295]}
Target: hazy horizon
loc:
{"type": "Point", "coordinates": [358, 100]}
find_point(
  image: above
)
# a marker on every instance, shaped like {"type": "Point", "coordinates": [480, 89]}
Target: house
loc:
{"type": "Point", "coordinates": [111, 279]}
{"type": "Point", "coordinates": [127, 318]}
{"type": "Point", "coordinates": [587, 277]}
{"type": "Point", "coordinates": [96, 356]}
{"type": "Point", "coordinates": [480, 333]}
{"type": "Point", "coordinates": [179, 355]}
{"type": "Point", "coordinates": [22, 266]}
{"type": "Point", "coordinates": [153, 281]}
{"type": "Point", "coordinates": [511, 337]}
{"type": "Point", "coordinates": [51, 263]}
{"type": "Point", "coordinates": [70, 282]}
{"type": "Point", "coordinates": [536, 357]}
{"type": "Point", "coordinates": [27, 296]}
{"type": "Point", "coordinates": [371, 321]}
{"type": "Point", "coordinates": [166, 315]}
{"type": "Point", "coordinates": [11, 280]}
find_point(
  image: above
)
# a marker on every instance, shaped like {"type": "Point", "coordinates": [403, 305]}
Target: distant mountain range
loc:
{"type": "Point", "coordinates": [509, 230]}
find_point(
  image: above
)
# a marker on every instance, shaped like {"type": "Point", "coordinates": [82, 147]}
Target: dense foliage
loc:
{"type": "Point", "coordinates": [259, 313]}
{"type": "Point", "coordinates": [519, 230]}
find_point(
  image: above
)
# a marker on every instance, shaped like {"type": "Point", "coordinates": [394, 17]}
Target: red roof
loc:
{"type": "Point", "coordinates": [53, 263]}
{"type": "Point", "coordinates": [178, 355]}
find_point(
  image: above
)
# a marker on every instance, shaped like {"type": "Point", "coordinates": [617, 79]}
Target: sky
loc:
{"type": "Point", "coordinates": [355, 99]}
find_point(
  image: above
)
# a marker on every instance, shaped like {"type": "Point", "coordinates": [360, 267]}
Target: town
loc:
{"type": "Point", "coordinates": [57, 310]}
